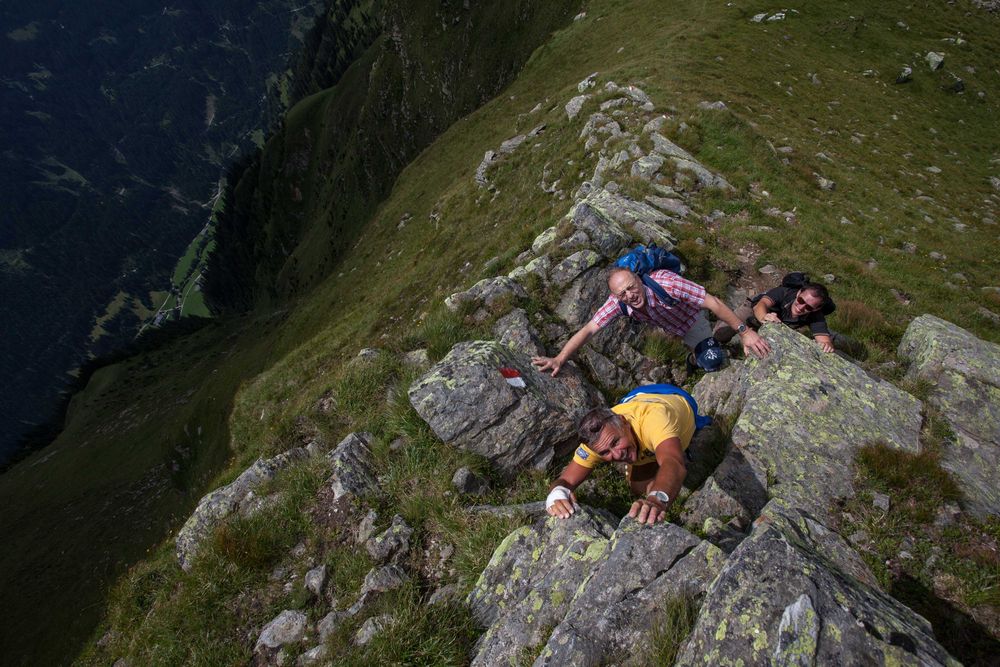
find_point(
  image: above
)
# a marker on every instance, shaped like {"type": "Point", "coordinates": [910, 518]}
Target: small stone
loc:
{"type": "Point", "coordinates": [416, 359]}
{"type": "Point", "coordinates": [313, 656]}
{"type": "Point", "coordinates": [315, 579]}
{"type": "Point", "coordinates": [932, 169]}
{"type": "Point", "coordinates": [934, 60]}
{"type": "Point", "coordinates": [825, 183]}
{"type": "Point", "coordinates": [712, 106]}
{"type": "Point", "coordinates": [574, 105]}
{"type": "Point", "coordinates": [329, 624]}
{"type": "Point", "coordinates": [393, 543]}
{"type": "Point", "coordinates": [880, 501]}
{"type": "Point", "coordinates": [366, 528]}
{"type": "Point", "coordinates": [445, 594]}
{"type": "Point", "coordinates": [287, 628]}
{"type": "Point", "coordinates": [587, 83]}
{"type": "Point", "coordinates": [947, 515]}
{"type": "Point", "coordinates": [768, 269]}
{"type": "Point", "coordinates": [845, 221]}
{"type": "Point", "coordinates": [580, 16]}
{"type": "Point", "coordinates": [905, 75]}
{"type": "Point", "coordinates": [468, 482]}
{"type": "Point", "coordinates": [382, 579]}
{"type": "Point", "coordinates": [934, 254]}
{"type": "Point", "coordinates": [829, 278]}
{"type": "Point", "coordinates": [906, 555]}
{"type": "Point", "coordinates": [372, 627]}
{"type": "Point", "coordinates": [859, 538]}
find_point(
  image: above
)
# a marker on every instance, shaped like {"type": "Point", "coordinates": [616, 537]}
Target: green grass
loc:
{"type": "Point", "coordinates": [671, 629]}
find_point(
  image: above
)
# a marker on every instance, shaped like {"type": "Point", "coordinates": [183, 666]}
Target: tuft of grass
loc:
{"type": "Point", "coordinates": [441, 330]}
{"type": "Point", "coordinates": [360, 390]}
{"type": "Point", "coordinates": [918, 481]}
{"type": "Point", "coordinates": [673, 626]}
{"type": "Point", "coordinates": [663, 349]}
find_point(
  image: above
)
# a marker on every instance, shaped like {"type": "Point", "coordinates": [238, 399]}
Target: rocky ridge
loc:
{"type": "Point", "coordinates": [758, 554]}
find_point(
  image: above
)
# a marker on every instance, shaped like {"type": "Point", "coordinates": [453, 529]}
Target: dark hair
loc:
{"type": "Point", "coordinates": [593, 423]}
{"type": "Point", "coordinates": [818, 291]}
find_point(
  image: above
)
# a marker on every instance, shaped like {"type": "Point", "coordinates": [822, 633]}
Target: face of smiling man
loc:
{"type": "Point", "coordinates": [627, 288]}
{"type": "Point", "coordinates": [616, 443]}
{"type": "Point", "coordinates": [805, 303]}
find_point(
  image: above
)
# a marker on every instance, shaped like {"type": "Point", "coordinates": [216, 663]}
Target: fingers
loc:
{"type": "Point", "coordinates": [646, 512]}
{"type": "Point", "coordinates": [562, 508]}
{"type": "Point", "coordinates": [545, 363]}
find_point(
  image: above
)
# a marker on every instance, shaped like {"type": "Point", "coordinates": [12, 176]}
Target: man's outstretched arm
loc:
{"type": "Point", "coordinates": [752, 341]}
{"type": "Point", "coordinates": [571, 346]}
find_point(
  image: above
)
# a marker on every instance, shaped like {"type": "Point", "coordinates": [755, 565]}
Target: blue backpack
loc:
{"type": "Point", "coordinates": [642, 260]}
{"type": "Point", "coordinates": [700, 421]}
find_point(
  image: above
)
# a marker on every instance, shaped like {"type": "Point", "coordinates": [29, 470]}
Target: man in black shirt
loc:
{"type": "Point", "coordinates": [797, 306]}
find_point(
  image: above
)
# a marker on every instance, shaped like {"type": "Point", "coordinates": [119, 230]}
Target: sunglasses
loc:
{"type": "Point", "coordinates": [809, 308]}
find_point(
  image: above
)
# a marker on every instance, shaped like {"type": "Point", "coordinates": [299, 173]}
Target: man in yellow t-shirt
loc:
{"type": "Point", "coordinates": [649, 432]}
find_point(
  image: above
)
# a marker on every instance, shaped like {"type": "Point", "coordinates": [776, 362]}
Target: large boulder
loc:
{"type": "Point", "coordinates": [795, 593]}
{"type": "Point", "coordinates": [800, 415]}
{"type": "Point", "coordinates": [222, 502]}
{"type": "Point", "coordinates": [964, 377]}
{"type": "Point", "coordinates": [487, 398]}
{"type": "Point", "coordinates": [583, 591]}
{"type": "Point", "coordinates": [644, 222]}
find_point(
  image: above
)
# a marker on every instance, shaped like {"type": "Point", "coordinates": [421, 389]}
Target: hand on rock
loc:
{"type": "Point", "coordinates": [648, 511]}
{"type": "Point", "coordinates": [547, 363]}
{"type": "Point", "coordinates": [754, 344]}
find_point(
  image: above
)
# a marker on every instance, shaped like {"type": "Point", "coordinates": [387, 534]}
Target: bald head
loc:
{"type": "Point", "coordinates": [627, 287]}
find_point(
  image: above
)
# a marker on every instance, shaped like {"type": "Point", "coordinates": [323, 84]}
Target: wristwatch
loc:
{"type": "Point", "coordinates": [742, 329]}
{"type": "Point", "coordinates": [659, 495]}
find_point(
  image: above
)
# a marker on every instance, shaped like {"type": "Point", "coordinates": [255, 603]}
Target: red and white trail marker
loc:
{"type": "Point", "coordinates": [513, 377]}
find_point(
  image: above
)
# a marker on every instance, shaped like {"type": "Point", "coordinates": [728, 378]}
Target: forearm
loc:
{"type": "Point", "coordinates": [668, 478]}
{"type": "Point", "coordinates": [576, 342]}
{"type": "Point", "coordinates": [760, 310]}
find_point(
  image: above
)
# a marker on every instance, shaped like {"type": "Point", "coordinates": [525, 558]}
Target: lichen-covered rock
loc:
{"type": "Point", "coordinates": [469, 483]}
{"type": "Point", "coordinates": [647, 166]}
{"type": "Point", "coordinates": [531, 579]}
{"type": "Point", "coordinates": [372, 627]}
{"type": "Point", "coordinates": [515, 331]}
{"type": "Point", "coordinates": [571, 267]}
{"type": "Point", "coordinates": [392, 543]}
{"type": "Point", "coordinates": [583, 591]}
{"type": "Point", "coordinates": [790, 594]}
{"type": "Point", "coordinates": [964, 374]}
{"type": "Point", "coordinates": [643, 221]}
{"type": "Point", "coordinates": [617, 608]}
{"type": "Point", "coordinates": [486, 293]}
{"type": "Point", "coordinates": [469, 403]}
{"type": "Point", "coordinates": [736, 489]}
{"type": "Point", "coordinates": [803, 413]}
{"type": "Point", "coordinates": [315, 579]}
{"type": "Point", "coordinates": [351, 462]}
{"type": "Point", "coordinates": [222, 502]}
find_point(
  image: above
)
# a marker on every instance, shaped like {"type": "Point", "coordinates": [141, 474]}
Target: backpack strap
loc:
{"type": "Point", "coordinates": [700, 421]}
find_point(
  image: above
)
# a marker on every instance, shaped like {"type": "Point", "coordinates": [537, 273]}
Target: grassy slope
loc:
{"type": "Point", "coordinates": [395, 276]}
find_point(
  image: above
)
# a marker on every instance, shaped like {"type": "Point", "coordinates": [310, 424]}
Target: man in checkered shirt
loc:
{"type": "Point", "coordinates": [682, 315]}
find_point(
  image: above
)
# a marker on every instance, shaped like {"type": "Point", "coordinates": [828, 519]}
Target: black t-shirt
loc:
{"type": "Point", "coordinates": [784, 297]}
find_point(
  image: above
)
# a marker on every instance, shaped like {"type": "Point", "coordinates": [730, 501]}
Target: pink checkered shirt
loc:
{"type": "Point", "coordinates": [675, 319]}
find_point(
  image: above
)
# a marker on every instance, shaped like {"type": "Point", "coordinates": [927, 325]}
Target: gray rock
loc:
{"type": "Point", "coordinates": [470, 404]}
{"type": "Point", "coordinates": [640, 219]}
{"type": "Point", "coordinates": [315, 579]}
{"type": "Point", "coordinates": [795, 593]}
{"type": "Point", "coordinates": [840, 407]}
{"type": "Point", "coordinates": [486, 293]}
{"type": "Point", "coordinates": [509, 146]}
{"type": "Point", "coordinates": [417, 359]}
{"type": "Point", "coordinates": [905, 75]}
{"type": "Point", "coordinates": [372, 627]}
{"type": "Point", "coordinates": [736, 489]}
{"type": "Point", "coordinates": [655, 125]}
{"type": "Point", "coordinates": [667, 148]}
{"type": "Point", "coordinates": [287, 628]}
{"type": "Point", "coordinates": [647, 167]}
{"type": "Point", "coordinates": [587, 83]}
{"type": "Point", "coordinates": [222, 502]}
{"type": "Point", "coordinates": [703, 176]}
{"type": "Point", "coordinates": [614, 104]}
{"type": "Point", "coordinates": [393, 543]}
{"type": "Point", "coordinates": [672, 206]}
{"type": "Point", "coordinates": [533, 509]}
{"type": "Point", "coordinates": [515, 331]}
{"type": "Point", "coordinates": [313, 656]}
{"type": "Point", "coordinates": [719, 105]}
{"type": "Point", "coordinates": [469, 483]}
{"type": "Point", "coordinates": [445, 594]}
{"type": "Point", "coordinates": [605, 236]}
{"type": "Point", "coordinates": [366, 527]}
{"type": "Point", "coordinates": [574, 105]}
{"type": "Point", "coordinates": [934, 60]}
{"type": "Point", "coordinates": [488, 159]}
{"type": "Point", "coordinates": [544, 240]}
{"type": "Point", "coordinates": [582, 589]}
{"type": "Point", "coordinates": [383, 579]}
{"type": "Point", "coordinates": [824, 183]}
{"type": "Point", "coordinates": [351, 462]}
{"type": "Point", "coordinates": [538, 267]}
{"type": "Point", "coordinates": [567, 270]}
{"type": "Point", "coordinates": [329, 624]}
{"type": "Point", "coordinates": [964, 376]}
{"type": "Point", "coordinates": [880, 501]}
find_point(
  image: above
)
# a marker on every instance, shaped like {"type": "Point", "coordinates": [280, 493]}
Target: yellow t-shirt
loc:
{"type": "Point", "coordinates": [654, 418]}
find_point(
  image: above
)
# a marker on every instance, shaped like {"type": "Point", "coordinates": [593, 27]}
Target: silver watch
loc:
{"type": "Point", "coordinates": [659, 495]}
{"type": "Point", "coordinates": [742, 329]}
